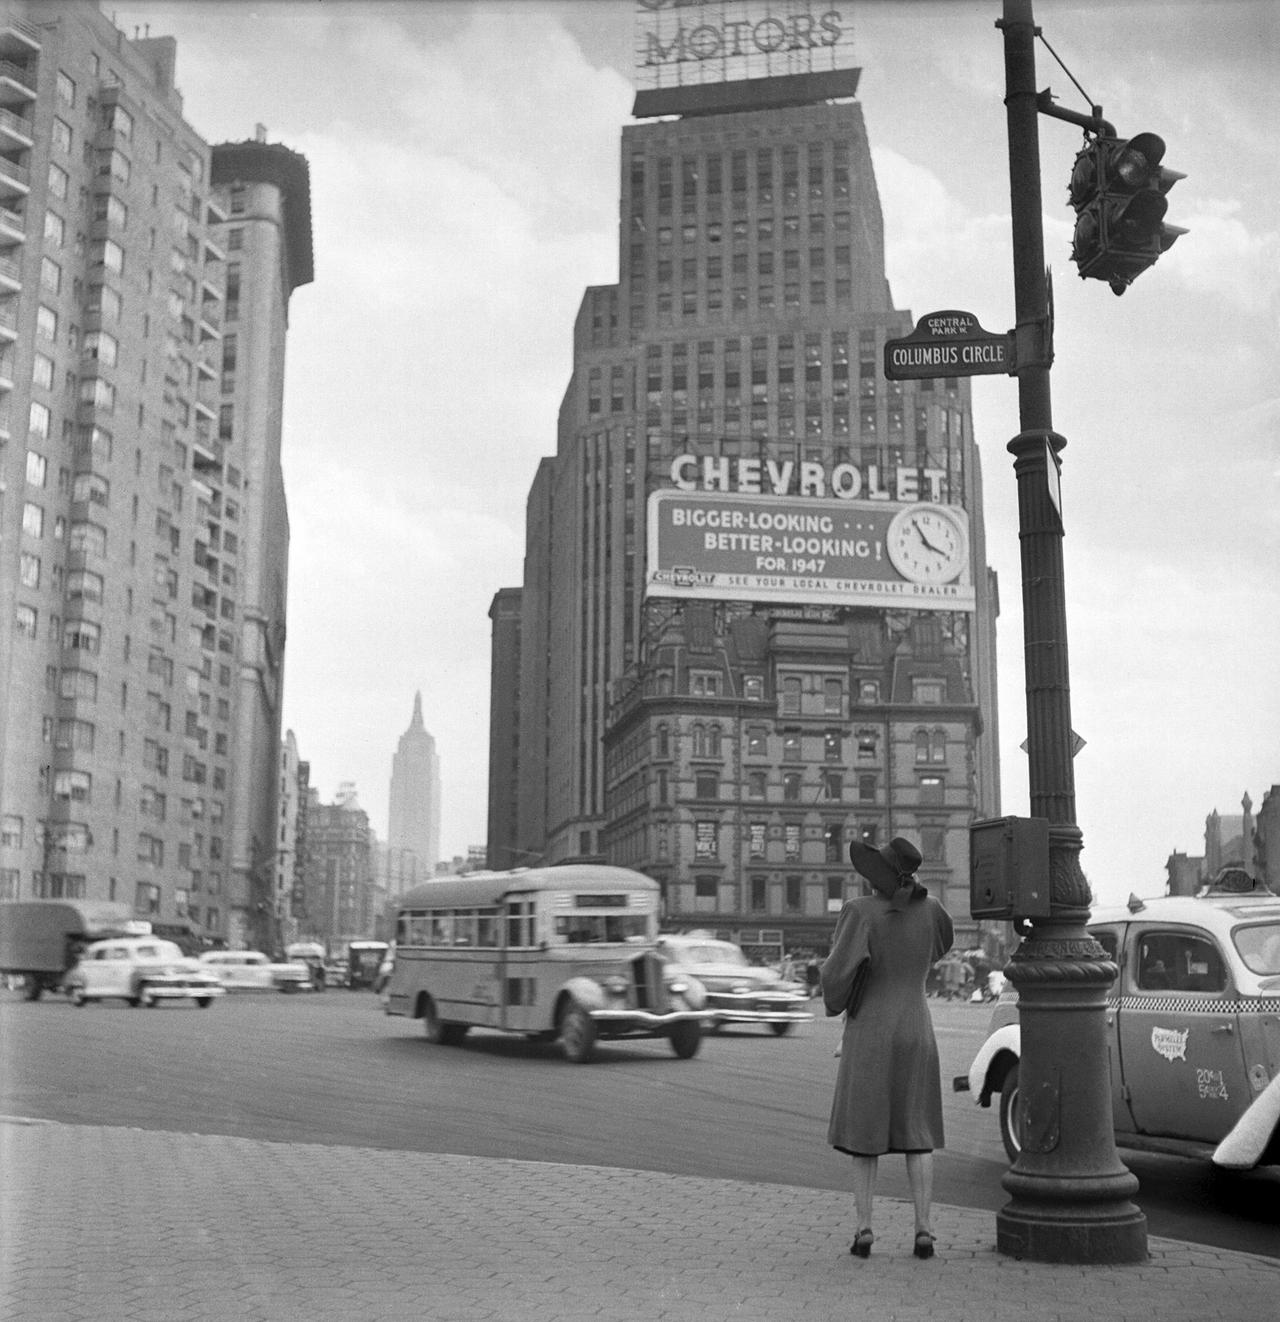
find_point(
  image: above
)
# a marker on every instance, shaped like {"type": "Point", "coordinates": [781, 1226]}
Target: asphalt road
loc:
{"type": "Point", "coordinates": [333, 1068]}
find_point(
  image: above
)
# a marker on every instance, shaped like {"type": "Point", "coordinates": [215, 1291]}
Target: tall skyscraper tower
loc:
{"type": "Point", "coordinates": [413, 827]}
{"type": "Point", "coordinates": [143, 533]}
{"type": "Point", "coordinates": [756, 620]}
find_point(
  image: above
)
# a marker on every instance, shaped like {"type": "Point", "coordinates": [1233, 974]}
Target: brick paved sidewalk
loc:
{"type": "Point", "coordinates": [125, 1225]}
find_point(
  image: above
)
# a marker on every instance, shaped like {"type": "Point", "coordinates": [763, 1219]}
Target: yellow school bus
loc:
{"type": "Point", "coordinates": [564, 953]}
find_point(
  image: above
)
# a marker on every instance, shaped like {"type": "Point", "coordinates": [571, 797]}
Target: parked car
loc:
{"type": "Point", "coordinates": [251, 970]}
{"type": "Point", "coordinates": [738, 992]}
{"type": "Point", "coordinates": [1194, 1027]}
{"type": "Point", "coordinates": [142, 970]}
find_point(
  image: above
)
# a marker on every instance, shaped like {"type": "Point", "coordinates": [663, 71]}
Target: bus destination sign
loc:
{"type": "Point", "coordinates": [948, 344]}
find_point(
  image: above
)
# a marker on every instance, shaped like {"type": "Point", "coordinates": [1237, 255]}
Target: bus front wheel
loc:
{"type": "Point", "coordinates": [577, 1035]}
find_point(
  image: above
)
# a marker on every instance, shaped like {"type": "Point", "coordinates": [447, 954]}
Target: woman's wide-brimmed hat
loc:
{"type": "Point", "coordinates": [890, 867]}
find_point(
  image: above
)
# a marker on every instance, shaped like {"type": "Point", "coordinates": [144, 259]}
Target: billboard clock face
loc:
{"type": "Point", "coordinates": [926, 544]}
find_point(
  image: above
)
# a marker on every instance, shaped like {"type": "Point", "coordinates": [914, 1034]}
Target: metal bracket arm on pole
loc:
{"type": "Point", "coordinates": [1095, 123]}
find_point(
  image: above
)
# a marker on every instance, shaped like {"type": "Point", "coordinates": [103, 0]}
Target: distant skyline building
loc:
{"type": "Point", "coordinates": [413, 818]}
{"type": "Point", "coordinates": [145, 278]}
{"type": "Point", "coordinates": [343, 895]}
{"type": "Point", "coordinates": [756, 621]}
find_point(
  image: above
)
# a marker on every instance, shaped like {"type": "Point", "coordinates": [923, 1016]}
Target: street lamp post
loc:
{"type": "Point", "coordinates": [1070, 1194]}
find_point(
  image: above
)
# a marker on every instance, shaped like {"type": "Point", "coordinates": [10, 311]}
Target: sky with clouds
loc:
{"type": "Point", "coordinates": [464, 171]}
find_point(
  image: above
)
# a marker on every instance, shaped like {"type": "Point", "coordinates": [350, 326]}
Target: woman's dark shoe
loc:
{"type": "Point", "coordinates": [924, 1244]}
{"type": "Point", "coordinates": [861, 1246]}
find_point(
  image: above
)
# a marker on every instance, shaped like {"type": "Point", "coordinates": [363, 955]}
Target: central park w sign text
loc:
{"type": "Point", "coordinates": [948, 344]}
{"type": "Point", "coordinates": [728, 547]}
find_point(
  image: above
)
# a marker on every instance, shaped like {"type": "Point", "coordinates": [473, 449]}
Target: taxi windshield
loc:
{"type": "Point", "coordinates": [1259, 947]}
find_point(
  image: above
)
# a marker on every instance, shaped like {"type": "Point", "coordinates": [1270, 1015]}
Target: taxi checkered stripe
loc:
{"type": "Point", "coordinates": [1193, 1004]}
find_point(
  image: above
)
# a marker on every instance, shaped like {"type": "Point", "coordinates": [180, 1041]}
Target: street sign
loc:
{"type": "Point", "coordinates": [948, 344]}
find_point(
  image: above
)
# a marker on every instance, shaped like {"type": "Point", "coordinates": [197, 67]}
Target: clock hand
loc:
{"type": "Point", "coordinates": [920, 533]}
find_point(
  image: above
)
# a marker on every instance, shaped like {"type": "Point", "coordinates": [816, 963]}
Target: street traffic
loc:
{"type": "Point", "coordinates": [335, 1069]}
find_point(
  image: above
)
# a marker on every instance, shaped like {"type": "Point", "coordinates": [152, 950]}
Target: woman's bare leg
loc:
{"type": "Point", "coordinates": [920, 1178]}
{"type": "Point", "coordinates": [864, 1188]}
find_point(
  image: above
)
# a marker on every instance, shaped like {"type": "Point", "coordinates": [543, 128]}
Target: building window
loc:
{"type": "Point", "coordinates": [931, 789]}
{"type": "Point", "coordinates": [757, 835]}
{"type": "Point", "coordinates": [793, 892]}
{"type": "Point", "coordinates": [832, 785]}
{"type": "Point", "coordinates": [790, 700]}
{"type": "Point", "coordinates": [756, 783]}
{"type": "Point", "coordinates": [866, 788]}
{"type": "Point", "coordinates": [706, 839]}
{"type": "Point", "coordinates": [706, 785]}
{"type": "Point", "coordinates": [706, 888]}
{"type": "Point", "coordinates": [759, 894]}
{"type": "Point", "coordinates": [833, 841]}
{"type": "Point", "coordinates": [933, 844]}
{"type": "Point", "coordinates": [791, 746]}
{"type": "Point", "coordinates": [146, 899]}
{"type": "Point", "coordinates": [832, 742]}
{"type": "Point", "coordinates": [704, 684]}
{"type": "Point", "coordinates": [928, 690]}
{"type": "Point", "coordinates": [791, 782]}
{"type": "Point", "coordinates": [833, 696]}
{"type": "Point", "coordinates": [869, 690]}
{"type": "Point", "coordinates": [791, 840]}
{"type": "Point", "coordinates": [757, 741]}
{"type": "Point", "coordinates": [11, 831]}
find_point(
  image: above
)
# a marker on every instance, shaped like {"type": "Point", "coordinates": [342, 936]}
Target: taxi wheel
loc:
{"type": "Point", "coordinates": [204, 1002]}
{"type": "Point", "coordinates": [577, 1035]}
{"type": "Point", "coordinates": [1011, 1114]}
{"type": "Point", "coordinates": [686, 1038]}
{"type": "Point", "coordinates": [76, 997]}
{"type": "Point", "coordinates": [781, 1030]}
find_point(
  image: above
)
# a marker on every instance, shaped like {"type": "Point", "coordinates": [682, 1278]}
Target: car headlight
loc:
{"type": "Point", "coordinates": [615, 986]}
{"type": "Point", "coordinates": [678, 987]}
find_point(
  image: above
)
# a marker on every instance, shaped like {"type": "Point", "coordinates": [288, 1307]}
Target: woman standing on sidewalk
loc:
{"type": "Point", "coordinates": [888, 1094]}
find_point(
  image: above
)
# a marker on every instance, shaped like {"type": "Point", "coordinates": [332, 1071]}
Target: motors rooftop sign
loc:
{"type": "Point", "coordinates": [672, 32]}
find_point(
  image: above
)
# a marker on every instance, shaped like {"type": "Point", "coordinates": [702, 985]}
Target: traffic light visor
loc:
{"type": "Point", "coordinates": [1137, 163]}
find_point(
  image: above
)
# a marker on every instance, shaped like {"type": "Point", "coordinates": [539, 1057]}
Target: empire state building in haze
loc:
{"type": "Point", "coordinates": [413, 834]}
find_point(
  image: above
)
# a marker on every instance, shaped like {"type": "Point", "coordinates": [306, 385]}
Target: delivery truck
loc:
{"type": "Point", "coordinates": [40, 940]}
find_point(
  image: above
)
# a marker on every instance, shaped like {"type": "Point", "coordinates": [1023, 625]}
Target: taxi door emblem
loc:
{"type": "Point", "coordinates": [1170, 1042]}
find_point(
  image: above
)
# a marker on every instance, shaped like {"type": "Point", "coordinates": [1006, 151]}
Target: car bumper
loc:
{"type": "Point", "coordinates": [755, 1008]}
{"type": "Point", "coordinates": [182, 991]}
{"type": "Point", "coordinates": [647, 1019]}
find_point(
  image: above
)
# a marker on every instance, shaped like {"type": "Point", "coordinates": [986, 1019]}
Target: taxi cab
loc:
{"type": "Point", "coordinates": [738, 992]}
{"type": "Point", "coordinates": [1193, 1027]}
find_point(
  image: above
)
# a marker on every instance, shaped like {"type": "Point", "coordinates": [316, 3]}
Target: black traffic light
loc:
{"type": "Point", "coordinates": [1118, 192]}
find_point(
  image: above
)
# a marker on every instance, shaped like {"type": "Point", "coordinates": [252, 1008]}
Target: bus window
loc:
{"type": "Point", "coordinates": [487, 929]}
{"type": "Point", "coordinates": [520, 923]}
{"type": "Point", "coordinates": [441, 929]}
{"type": "Point", "coordinates": [464, 927]}
{"type": "Point", "coordinates": [584, 928]}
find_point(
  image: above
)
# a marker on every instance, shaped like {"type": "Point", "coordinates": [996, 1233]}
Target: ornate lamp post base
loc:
{"type": "Point", "coordinates": [1070, 1194]}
